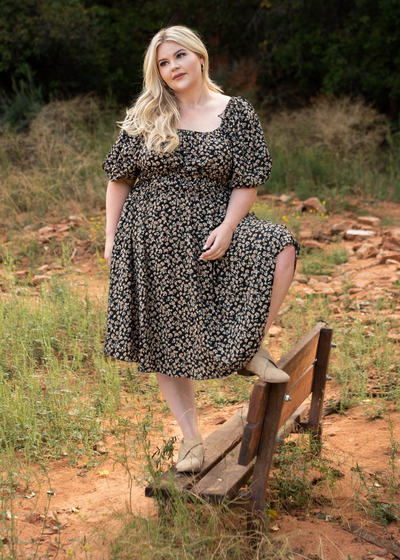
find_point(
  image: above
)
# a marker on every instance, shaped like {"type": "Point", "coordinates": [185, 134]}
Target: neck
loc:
{"type": "Point", "coordinates": [197, 95]}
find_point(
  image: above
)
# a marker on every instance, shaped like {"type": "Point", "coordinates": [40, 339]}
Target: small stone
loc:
{"type": "Point", "coordinates": [305, 234]}
{"type": "Point", "coordinates": [386, 255]}
{"type": "Point", "coordinates": [43, 268]}
{"type": "Point", "coordinates": [388, 261]}
{"type": "Point", "coordinates": [344, 225]}
{"type": "Point", "coordinates": [21, 272]}
{"type": "Point", "coordinates": [301, 278]}
{"type": "Point", "coordinates": [284, 198]}
{"type": "Point", "coordinates": [45, 230]}
{"type": "Point", "coordinates": [100, 447]}
{"type": "Point", "coordinates": [366, 251]}
{"type": "Point", "coordinates": [389, 246]}
{"type": "Point", "coordinates": [311, 244]}
{"type": "Point", "coordinates": [394, 337]}
{"type": "Point", "coordinates": [312, 203]}
{"type": "Point", "coordinates": [325, 279]}
{"type": "Point", "coordinates": [38, 279]}
{"type": "Point", "coordinates": [352, 233]}
{"type": "Point", "coordinates": [275, 331]}
{"type": "Point", "coordinates": [369, 221]}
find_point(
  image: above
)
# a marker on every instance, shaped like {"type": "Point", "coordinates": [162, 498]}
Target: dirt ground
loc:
{"type": "Point", "coordinates": [84, 500]}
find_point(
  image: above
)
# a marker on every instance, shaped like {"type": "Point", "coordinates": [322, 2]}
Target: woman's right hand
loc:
{"type": "Point", "coordinates": [108, 249]}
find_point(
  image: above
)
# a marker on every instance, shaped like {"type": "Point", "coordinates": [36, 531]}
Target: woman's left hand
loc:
{"type": "Point", "coordinates": [217, 243]}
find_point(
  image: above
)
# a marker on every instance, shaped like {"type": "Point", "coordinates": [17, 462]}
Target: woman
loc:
{"type": "Point", "coordinates": [196, 280]}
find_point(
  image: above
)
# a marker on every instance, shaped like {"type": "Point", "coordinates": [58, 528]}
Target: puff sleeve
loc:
{"type": "Point", "coordinates": [251, 159]}
{"type": "Point", "coordinates": [122, 160]}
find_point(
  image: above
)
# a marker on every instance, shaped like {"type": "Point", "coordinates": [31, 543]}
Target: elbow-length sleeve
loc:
{"type": "Point", "coordinates": [121, 161]}
{"type": "Point", "coordinates": [251, 159]}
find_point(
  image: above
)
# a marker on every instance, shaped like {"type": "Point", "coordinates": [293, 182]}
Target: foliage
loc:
{"type": "Point", "coordinates": [106, 39]}
{"type": "Point", "coordinates": [343, 47]}
{"type": "Point", "coordinates": [298, 48]}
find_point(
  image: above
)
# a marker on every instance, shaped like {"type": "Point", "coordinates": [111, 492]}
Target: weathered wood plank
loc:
{"type": "Point", "coordinates": [250, 442]}
{"type": "Point", "coordinates": [267, 445]}
{"type": "Point", "coordinates": [258, 402]}
{"type": "Point", "coordinates": [301, 356]}
{"type": "Point", "coordinates": [299, 392]}
{"type": "Point", "coordinates": [216, 446]}
{"type": "Point", "coordinates": [321, 369]}
{"type": "Point", "coordinates": [225, 479]}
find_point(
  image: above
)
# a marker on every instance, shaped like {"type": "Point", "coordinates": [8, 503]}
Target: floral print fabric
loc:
{"type": "Point", "coordinates": [167, 310]}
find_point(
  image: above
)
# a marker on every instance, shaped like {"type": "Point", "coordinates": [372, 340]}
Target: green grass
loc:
{"type": "Point", "coordinates": [323, 262]}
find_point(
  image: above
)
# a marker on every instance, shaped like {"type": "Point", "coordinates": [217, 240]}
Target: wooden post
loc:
{"type": "Point", "coordinates": [267, 446]}
{"type": "Point", "coordinates": [319, 383]}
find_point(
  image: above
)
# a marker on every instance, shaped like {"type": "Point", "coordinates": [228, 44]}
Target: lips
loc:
{"type": "Point", "coordinates": [177, 76]}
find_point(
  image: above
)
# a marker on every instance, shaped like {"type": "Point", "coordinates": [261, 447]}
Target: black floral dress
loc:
{"type": "Point", "coordinates": [167, 310]}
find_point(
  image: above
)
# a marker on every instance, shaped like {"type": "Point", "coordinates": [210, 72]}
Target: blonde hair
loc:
{"type": "Point", "coordinates": [155, 114]}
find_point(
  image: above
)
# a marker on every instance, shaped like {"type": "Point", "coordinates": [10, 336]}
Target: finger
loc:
{"type": "Point", "coordinates": [210, 240]}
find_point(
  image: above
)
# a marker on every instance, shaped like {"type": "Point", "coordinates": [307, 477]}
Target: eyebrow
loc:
{"type": "Point", "coordinates": [175, 53]}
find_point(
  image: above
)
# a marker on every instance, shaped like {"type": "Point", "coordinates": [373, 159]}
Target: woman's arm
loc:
{"type": "Point", "coordinates": [117, 192]}
{"type": "Point", "coordinates": [240, 202]}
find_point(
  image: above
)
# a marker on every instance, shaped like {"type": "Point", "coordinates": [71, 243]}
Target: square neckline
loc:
{"type": "Point", "coordinates": [221, 116]}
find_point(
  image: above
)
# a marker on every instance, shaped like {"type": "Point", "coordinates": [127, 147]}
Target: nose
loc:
{"type": "Point", "coordinates": [175, 65]}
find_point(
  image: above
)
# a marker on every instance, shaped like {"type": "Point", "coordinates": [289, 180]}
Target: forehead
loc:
{"type": "Point", "coordinates": [168, 49]}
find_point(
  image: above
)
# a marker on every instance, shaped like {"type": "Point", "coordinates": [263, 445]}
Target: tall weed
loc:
{"type": "Point", "coordinates": [334, 149]}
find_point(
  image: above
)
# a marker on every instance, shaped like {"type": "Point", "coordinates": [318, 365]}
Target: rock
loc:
{"type": "Point", "coordinates": [344, 225]}
{"type": "Point", "coordinates": [312, 203]}
{"type": "Point", "coordinates": [325, 279]}
{"type": "Point", "coordinates": [21, 272]}
{"type": "Point", "coordinates": [393, 233]}
{"type": "Point", "coordinates": [100, 447]}
{"type": "Point", "coordinates": [284, 198]}
{"type": "Point", "coordinates": [388, 246]}
{"type": "Point", "coordinates": [319, 280]}
{"type": "Point", "coordinates": [45, 230]}
{"type": "Point", "coordinates": [299, 207]}
{"type": "Point", "coordinates": [394, 337]}
{"type": "Point", "coordinates": [305, 234]}
{"type": "Point", "coordinates": [301, 303]}
{"type": "Point", "coordinates": [366, 251]}
{"type": "Point", "coordinates": [369, 221]}
{"type": "Point", "coordinates": [43, 268]}
{"type": "Point", "coordinates": [275, 330]}
{"type": "Point", "coordinates": [38, 279]}
{"type": "Point", "coordinates": [322, 288]}
{"type": "Point", "coordinates": [301, 278]}
{"type": "Point", "coordinates": [311, 244]}
{"type": "Point", "coordinates": [384, 256]}
{"type": "Point", "coordinates": [388, 261]}
{"type": "Point", "coordinates": [354, 233]}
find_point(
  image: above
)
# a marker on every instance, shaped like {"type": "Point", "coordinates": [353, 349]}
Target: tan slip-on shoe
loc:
{"type": "Point", "coordinates": [263, 365]}
{"type": "Point", "coordinates": [191, 455]}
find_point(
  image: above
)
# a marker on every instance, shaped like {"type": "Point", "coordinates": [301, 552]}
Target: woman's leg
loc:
{"type": "Point", "coordinates": [284, 270]}
{"type": "Point", "coordinates": [179, 394]}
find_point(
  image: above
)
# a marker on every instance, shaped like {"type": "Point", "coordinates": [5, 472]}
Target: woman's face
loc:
{"type": "Point", "coordinates": [179, 67]}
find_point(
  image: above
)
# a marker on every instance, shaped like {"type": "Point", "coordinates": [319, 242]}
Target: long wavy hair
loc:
{"type": "Point", "coordinates": [155, 114]}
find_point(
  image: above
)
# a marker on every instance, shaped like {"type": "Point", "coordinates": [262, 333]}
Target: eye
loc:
{"type": "Point", "coordinates": [180, 54]}
{"type": "Point", "coordinates": [163, 63]}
